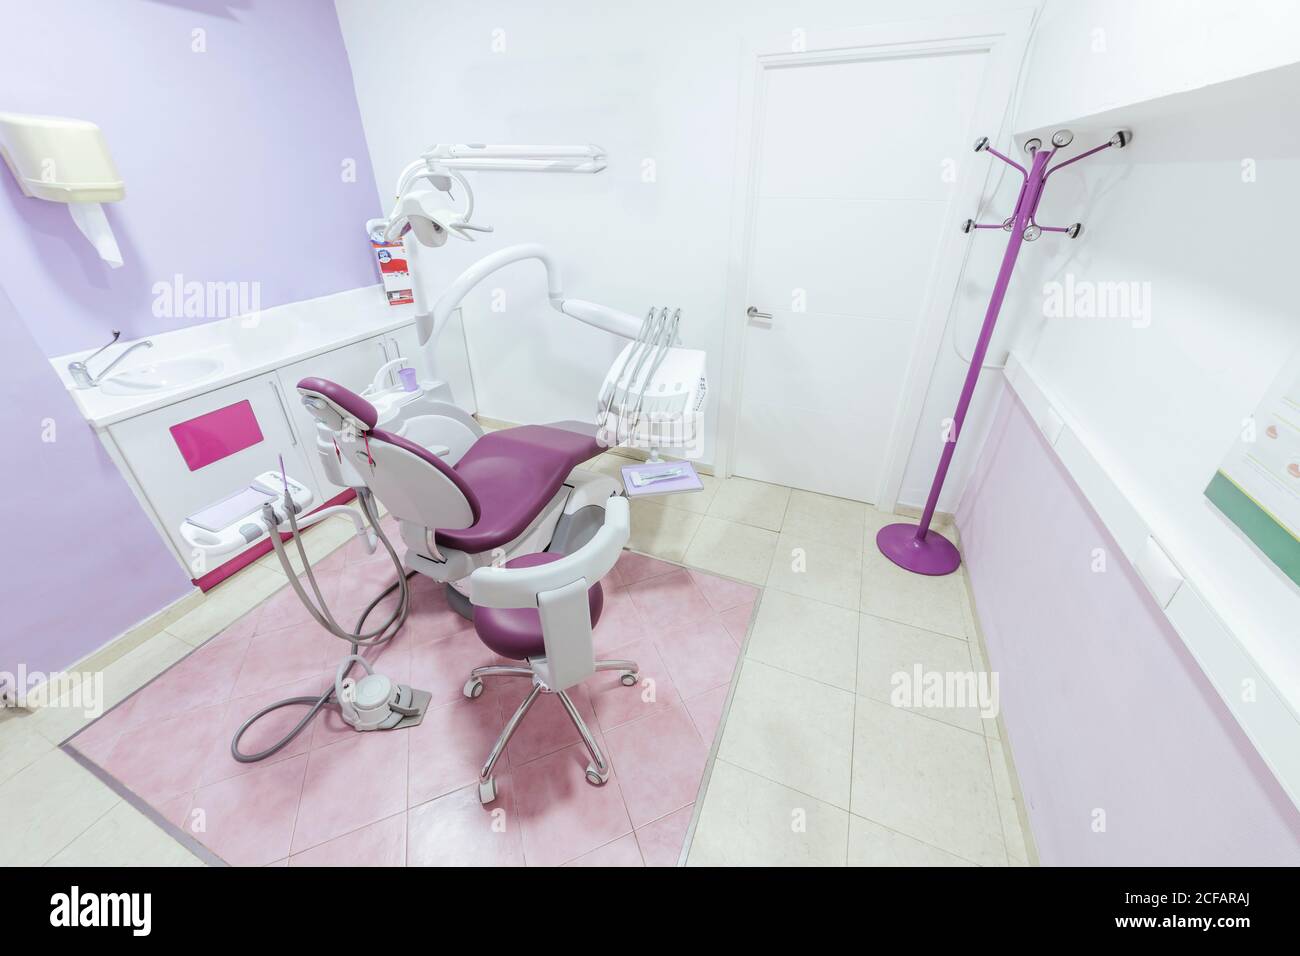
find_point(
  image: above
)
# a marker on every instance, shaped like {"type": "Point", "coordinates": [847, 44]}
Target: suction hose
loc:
{"type": "Point", "coordinates": [357, 638]}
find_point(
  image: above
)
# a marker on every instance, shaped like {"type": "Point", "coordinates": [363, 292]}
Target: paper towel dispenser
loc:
{"type": "Point", "coordinates": [65, 160]}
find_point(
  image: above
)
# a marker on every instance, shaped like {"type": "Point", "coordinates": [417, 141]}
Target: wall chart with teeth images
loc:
{"type": "Point", "coordinates": [1258, 485]}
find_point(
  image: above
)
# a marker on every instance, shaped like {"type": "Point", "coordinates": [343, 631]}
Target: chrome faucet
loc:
{"type": "Point", "coordinates": [81, 375]}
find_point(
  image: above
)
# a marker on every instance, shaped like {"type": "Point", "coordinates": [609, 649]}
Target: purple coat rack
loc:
{"type": "Point", "coordinates": [915, 546]}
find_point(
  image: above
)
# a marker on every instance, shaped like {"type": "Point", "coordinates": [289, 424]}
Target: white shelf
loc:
{"type": "Point", "coordinates": [1269, 721]}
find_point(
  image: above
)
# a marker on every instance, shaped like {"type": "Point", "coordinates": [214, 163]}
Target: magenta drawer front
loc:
{"type": "Point", "coordinates": [217, 434]}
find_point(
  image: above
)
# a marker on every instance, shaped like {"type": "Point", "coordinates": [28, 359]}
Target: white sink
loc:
{"type": "Point", "coordinates": [160, 376]}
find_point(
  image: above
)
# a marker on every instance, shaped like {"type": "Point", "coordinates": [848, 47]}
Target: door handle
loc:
{"type": "Point", "coordinates": [293, 434]}
{"type": "Point", "coordinates": [753, 313]}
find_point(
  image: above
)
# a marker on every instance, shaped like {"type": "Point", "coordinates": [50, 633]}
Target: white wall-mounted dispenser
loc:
{"type": "Point", "coordinates": [66, 160]}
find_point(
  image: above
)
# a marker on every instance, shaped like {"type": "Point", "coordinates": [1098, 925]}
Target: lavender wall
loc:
{"type": "Point", "coordinates": [233, 162]}
{"type": "Point", "coordinates": [81, 562]}
{"type": "Point", "coordinates": [1104, 706]}
{"type": "Point", "coordinates": [233, 158]}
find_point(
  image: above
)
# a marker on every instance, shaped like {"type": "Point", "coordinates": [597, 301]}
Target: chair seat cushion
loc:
{"type": "Point", "coordinates": [516, 632]}
{"type": "Point", "coordinates": [514, 473]}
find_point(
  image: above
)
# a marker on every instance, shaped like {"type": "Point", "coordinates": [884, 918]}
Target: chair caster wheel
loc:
{"type": "Point", "coordinates": [594, 776]}
{"type": "Point", "coordinates": [629, 678]}
{"type": "Point", "coordinates": [473, 688]}
{"type": "Point", "coordinates": [487, 790]}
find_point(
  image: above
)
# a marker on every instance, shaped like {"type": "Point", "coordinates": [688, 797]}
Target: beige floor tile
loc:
{"type": "Point", "coordinates": [662, 532]}
{"type": "Point", "coordinates": [59, 720]}
{"type": "Point", "coordinates": [792, 730]}
{"type": "Point", "coordinates": [696, 501]}
{"type": "Point", "coordinates": [925, 601]}
{"type": "Point", "coordinates": [734, 550]}
{"type": "Point", "coordinates": [226, 603]}
{"type": "Point", "coordinates": [1008, 807]}
{"type": "Point", "coordinates": [837, 521]}
{"type": "Point", "coordinates": [928, 780]}
{"type": "Point", "coordinates": [887, 648]}
{"type": "Point", "coordinates": [47, 806]}
{"type": "Point", "coordinates": [750, 502]}
{"type": "Point", "coordinates": [814, 569]}
{"type": "Point", "coordinates": [873, 845]}
{"type": "Point", "coordinates": [806, 637]}
{"type": "Point", "coordinates": [876, 520]}
{"type": "Point", "coordinates": [21, 744]}
{"type": "Point", "coordinates": [125, 837]}
{"type": "Point", "coordinates": [133, 638]}
{"type": "Point", "coordinates": [748, 820]}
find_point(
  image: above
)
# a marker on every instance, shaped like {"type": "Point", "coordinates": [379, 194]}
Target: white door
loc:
{"type": "Point", "coordinates": [852, 186]}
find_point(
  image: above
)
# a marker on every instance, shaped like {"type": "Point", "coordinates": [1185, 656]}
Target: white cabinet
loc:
{"type": "Point", "coordinates": [189, 455]}
{"type": "Point", "coordinates": [195, 452]}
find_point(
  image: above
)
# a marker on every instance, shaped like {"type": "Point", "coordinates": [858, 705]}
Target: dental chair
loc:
{"type": "Point", "coordinates": [495, 496]}
{"type": "Point", "coordinates": [539, 609]}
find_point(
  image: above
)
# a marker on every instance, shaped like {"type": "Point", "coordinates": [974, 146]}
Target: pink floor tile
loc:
{"type": "Point", "coordinates": [633, 567]}
{"type": "Point", "coordinates": [243, 628]}
{"type": "Point", "coordinates": [706, 712]}
{"type": "Point", "coordinates": [457, 830]}
{"type": "Point", "coordinates": [615, 704]}
{"type": "Point", "coordinates": [207, 676]}
{"type": "Point", "coordinates": [335, 796]}
{"type": "Point", "coordinates": [620, 623]}
{"type": "Point", "coordinates": [443, 666]}
{"type": "Point", "coordinates": [165, 759]}
{"type": "Point", "coordinates": [248, 820]}
{"type": "Point", "coordinates": [360, 585]}
{"type": "Point", "coordinates": [699, 656]}
{"type": "Point", "coordinates": [351, 784]}
{"type": "Point", "coordinates": [669, 600]}
{"type": "Point", "coordinates": [660, 762]}
{"type": "Point", "coordinates": [220, 765]}
{"type": "Point", "coordinates": [176, 811]}
{"type": "Point", "coordinates": [736, 621]}
{"type": "Point", "coordinates": [431, 616]}
{"type": "Point", "coordinates": [379, 844]}
{"type": "Point", "coordinates": [354, 552]}
{"type": "Point", "coordinates": [723, 593]}
{"type": "Point", "coordinates": [283, 656]}
{"type": "Point", "coordinates": [561, 815]}
{"type": "Point", "coordinates": [622, 852]}
{"type": "Point", "coordinates": [548, 727]}
{"type": "Point", "coordinates": [449, 747]}
{"type": "Point", "coordinates": [285, 609]}
{"type": "Point", "coordinates": [661, 842]}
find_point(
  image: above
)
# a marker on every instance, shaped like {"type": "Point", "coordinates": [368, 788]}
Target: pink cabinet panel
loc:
{"type": "Point", "coordinates": [217, 434]}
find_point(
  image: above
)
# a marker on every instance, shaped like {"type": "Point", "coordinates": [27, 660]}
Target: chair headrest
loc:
{"type": "Point", "coordinates": [345, 402]}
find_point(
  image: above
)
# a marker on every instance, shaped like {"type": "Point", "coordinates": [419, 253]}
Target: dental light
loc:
{"type": "Point", "coordinates": [418, 210]}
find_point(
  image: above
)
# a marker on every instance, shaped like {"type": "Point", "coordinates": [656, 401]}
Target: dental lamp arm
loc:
{"type": "Point", "coordinates": [430, 321]}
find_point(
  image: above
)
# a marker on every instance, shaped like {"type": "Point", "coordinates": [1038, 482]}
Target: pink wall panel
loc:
{"type": "Point", "coordinates": [1104, 706]}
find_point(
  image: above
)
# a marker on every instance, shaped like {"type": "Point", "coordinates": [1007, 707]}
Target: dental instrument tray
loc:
{"type": "Point", "coordinates": [236, 521]}
{"type": "Point", "coordinates": [653, 395]}
{"type": "Point", "coordinates": [660, 478]}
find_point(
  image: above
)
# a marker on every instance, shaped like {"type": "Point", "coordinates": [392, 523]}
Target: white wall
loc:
{"type": "Point", "coordinates": [661, 83]}
{"type": "Point", "coordinates": [647, 82]}
{"type": "Point", "coordinates": [1163, 402]}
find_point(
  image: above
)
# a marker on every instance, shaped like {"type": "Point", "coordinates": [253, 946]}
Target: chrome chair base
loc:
{"type": "Point", "coordinates": [597, 770]}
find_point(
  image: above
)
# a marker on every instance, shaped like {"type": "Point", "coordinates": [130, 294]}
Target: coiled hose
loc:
{"type": "Point", "coordinates": [357, 638]}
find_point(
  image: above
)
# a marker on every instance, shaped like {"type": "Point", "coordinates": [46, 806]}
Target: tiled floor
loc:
{"type": "Point", "coordinates": [814, 765]}
{"type": "Point", "coordinates": [410, 796]}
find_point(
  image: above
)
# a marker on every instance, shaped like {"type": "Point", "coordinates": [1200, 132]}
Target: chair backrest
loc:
{"type": "Point", "coordinates": [412, 482]}
{"type": "Point", "coordinates": [558, 590]}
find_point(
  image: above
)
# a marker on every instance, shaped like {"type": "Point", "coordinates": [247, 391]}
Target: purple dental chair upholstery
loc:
{"type": "Point", "coordinates": [488, 498]}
